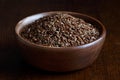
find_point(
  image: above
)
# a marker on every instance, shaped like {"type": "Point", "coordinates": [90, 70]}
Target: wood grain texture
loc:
{"type": "Point", "coordinates": [13, 67]}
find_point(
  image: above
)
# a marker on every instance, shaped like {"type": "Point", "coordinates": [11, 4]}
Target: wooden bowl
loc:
{"type": "Point", "coordinates": [60, 59]}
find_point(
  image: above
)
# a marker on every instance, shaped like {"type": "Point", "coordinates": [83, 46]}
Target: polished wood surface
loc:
{"type": "Point", "coordinates": [13, 67]}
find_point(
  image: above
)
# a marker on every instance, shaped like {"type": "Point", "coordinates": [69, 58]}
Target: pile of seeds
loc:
{"type": "Point", "coordinates": [60, 30]}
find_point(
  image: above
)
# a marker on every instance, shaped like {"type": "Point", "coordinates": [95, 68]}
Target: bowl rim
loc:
{"type": "Point", "coordinates": [103, 32]}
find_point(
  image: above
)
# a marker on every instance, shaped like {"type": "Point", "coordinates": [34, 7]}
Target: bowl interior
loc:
{"type": "Point", "coordinates": [96, 23]}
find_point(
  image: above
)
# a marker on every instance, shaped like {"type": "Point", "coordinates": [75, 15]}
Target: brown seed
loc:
{"type": "Point", "coordinates": [60, 30]}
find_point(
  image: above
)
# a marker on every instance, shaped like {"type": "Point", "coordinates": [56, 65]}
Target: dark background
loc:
{"type": "Point", "coordinates": [13, 67]}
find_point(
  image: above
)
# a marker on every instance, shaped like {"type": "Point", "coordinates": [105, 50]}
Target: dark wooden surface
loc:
{"type": "Point", "coordinates": [13, 67]}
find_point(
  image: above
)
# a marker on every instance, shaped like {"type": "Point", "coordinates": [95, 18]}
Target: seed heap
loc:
{"type": "Point", "coordinates": [60, 30]}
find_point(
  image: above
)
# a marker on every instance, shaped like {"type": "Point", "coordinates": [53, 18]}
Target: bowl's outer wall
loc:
{"type": "Point", "coordinates": [60, 60]}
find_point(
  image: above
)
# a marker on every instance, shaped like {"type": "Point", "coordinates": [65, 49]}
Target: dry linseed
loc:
{"type": "Point", "coordinates": [60, 30]}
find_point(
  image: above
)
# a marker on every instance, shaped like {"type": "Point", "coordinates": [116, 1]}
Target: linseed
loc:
{"type": "Point", "coordinates": [60, 30]}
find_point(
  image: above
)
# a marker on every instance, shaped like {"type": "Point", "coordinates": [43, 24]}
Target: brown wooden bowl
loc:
{"type": "Point", "coordinates": [60, 59]}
